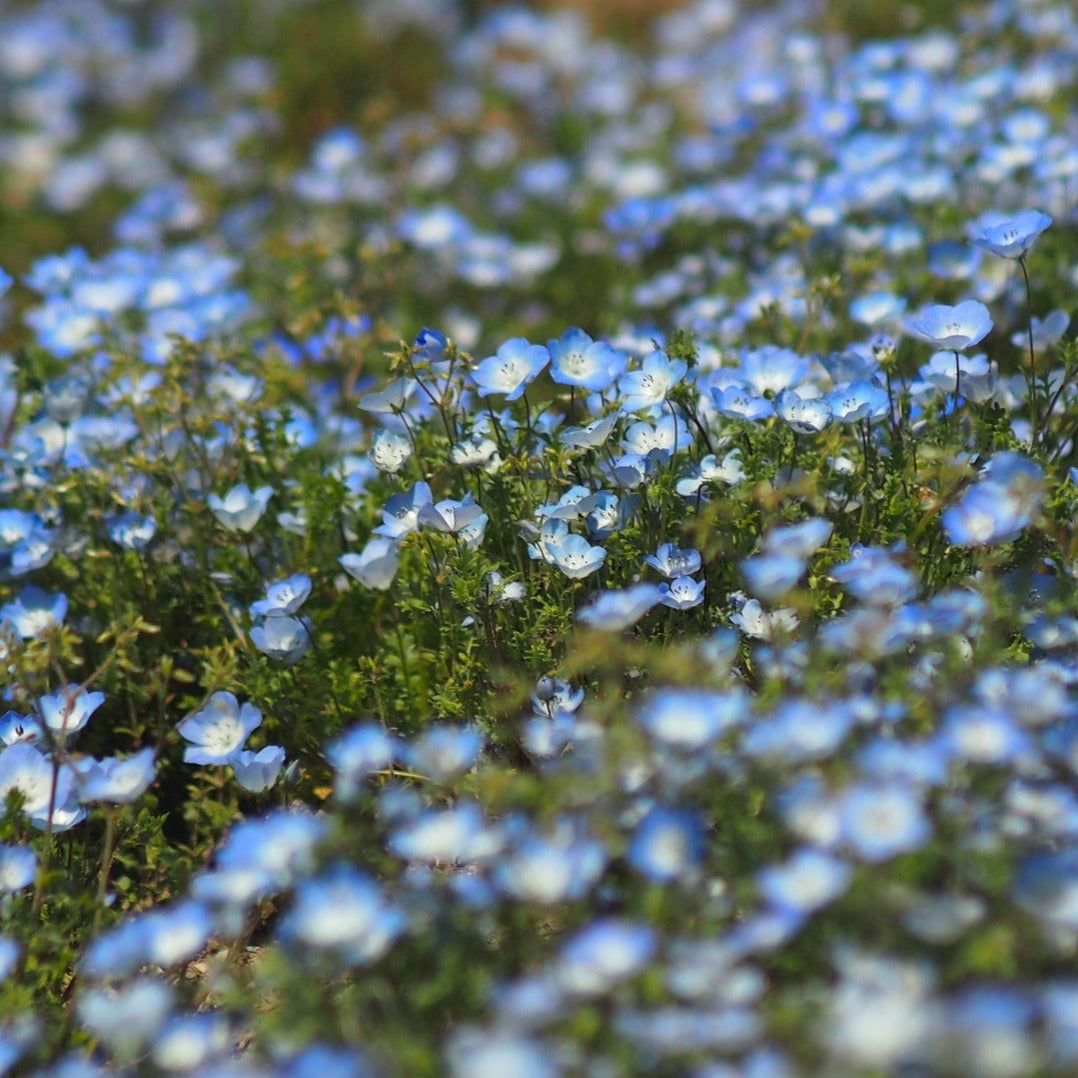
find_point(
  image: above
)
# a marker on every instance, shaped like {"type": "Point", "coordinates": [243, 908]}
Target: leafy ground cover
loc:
{"type": "Point", "coordinates": [538, 541]}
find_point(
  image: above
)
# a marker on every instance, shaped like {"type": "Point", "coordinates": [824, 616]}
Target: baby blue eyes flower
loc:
{"type": "Point", "coordinates": [880, 822]}
{"type": "Point", "coordinates": [118, 780]}
{"type": "Point", "coordinates": [613, 611]}
{"type": "Point", "coordinates": [803, 415]}
{"type": "Point", "coordinates": [18, 866]}
{"type": "Point", "coordinates": [376, 565]}
{"type": "Point", "coordinates": [577, 360]}
{"type": "Point", "coordinates": [603, 955]}
{"type": "Point", "coordinates": [683, 593]}
{"type": "Point", "coordinates": [390, 451]}
{"type": "Point", "coordinates": [34, 612]}
{"type": "Point", "coordinates": [671, 562]}
{"type": "Point", "coordinates": [955, 328]}
{"type": "Point", "coordinates": [218, 731]}
{"type": "Point", "coordinates": [240, 509]}
{"type": "Point", "coordinates": [809, 880]}
{"type": "Point", "coordinates": [998, 507]}
{"type": "Point", "coordinates": [284, 639]}
{"type": "Point", "coordinates": [1009, 237]}
{"type": "Point", "coordinates": [445, 752]}
{"type": "Point", "coordinates": [132, 531]}
{"type": "Point", "coordinates": [68, 711]}
{"type": "Point", "coordinates": [258, 771]}
{"type": "Point", "coordinates": [284, 597]}
{"type": "Point", "coordinates": [512, 369]}
{"type": "Point", "coordinates": [667, 843]}
{"type": "Point", "coordinates": [648, 386]}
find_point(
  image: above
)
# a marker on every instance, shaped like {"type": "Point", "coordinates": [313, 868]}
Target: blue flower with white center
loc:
{"type": "Point", "coordinates": [771, 576]}
{"type": "Point", "coordinates": [877, 308]}
{"type": "Point", "coordinates": [711, 471]}
{"type": "Point", "coordinates": [682, 593]}
{"type": "Point", "coordinates": [132, 531]}
{"type": "Point", "coordinates": [16, 727]}
{"type": "Point", "coordinates": [66, 712]}
{"type": "Point", "coordinates": [400, 516]}
{"type": "Point", "coordinates": [457, 835]}
{"type": "Point", "coordinates": [737, 402]}
{"type": "Point", "coordinates": [258, 771]}
{"type": "Point", "coordinates": [592, 435]}
{"type": "Point", "coordinates": [548, 870]}
{"type": "Point", "coordinates": [772, 369]}
{"type": "Point", "coordinates": [659, 440]}
{"type": "Point", "coordinates": [955, 328]}
{"type": "Point", "coordinates": [342, 914]}
{"type": "Point", "coordinates": [667, 844]}
{"type": "Point", "coordinates": [613, 611]}
{"type": "Point", "coordinates": [358, 753]}
{"type": "Point", "coordinates": [444, 752]}
{"type": "Point", "coordinates": [799, 731]}
{"type": "Point", "coordinates": [376, 565]}
{"type": "Point", "coordinates": [998, 507]}
{"type": "Point", "coordinates": [390, 451]}
{"type": "Point", "coordinates": [34, 612]}
{"type": "Point", "coordinates": [603, 955]}
{"type": "Point", "coordinates": [880, 822]}
{"type": "Point", "coordinates": [241, 508]}
{"type": "Point", "coordinates": [118, 780]}
{"type": "Point", "coordinates": [803, 415]}
{"type": "Point", "coordinates": [670, 561]}
{"type": "Point", "coordinates": [284, 597]}
{"type": "Point", "coordinates": [18, 866]}
{"type": "Point", "coordinates": [1009, 237]}
{"type": "Point", "coordinates": [284, 639]}
{"type": "Point", "coordinates": [577, 360]}
{"type": "Point", "coordinates": [690, 719]}
{"type": "Point", "coordinates": [450, 516]}
{"type": "Point", "coordinates": [648, 386]}
{"type": "Point", "coordinates": [515, 365]}
{"type": "Point", "coordinates": [857, 401]}
{"type": "Point", "coordinates": [219, 730]}
{"type": "Point", "coordinates": [576, 557]}
{"type": "Point", "coordinates": [809, 880]}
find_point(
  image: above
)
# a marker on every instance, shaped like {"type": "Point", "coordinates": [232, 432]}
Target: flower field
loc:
{"type": "Point", "coordinates": [538, 540]}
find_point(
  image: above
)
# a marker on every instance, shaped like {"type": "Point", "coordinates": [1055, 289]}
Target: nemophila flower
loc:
{"type": "Point", "coordinates": [577, 360]}
{"type": "Point", "coordinates": [603, 955]}
{"type": "Point", "coordinates": [984, 735]}
{"type": "Point", "coordinates": [400, 516]}
{"type": "Point", "coordinates": [132, 531]}
{"type": "Point", "coordinates": [515, 365]}
{"type": "Point", "coordinates": [390, 451]}
{"type": "Point", "coordinates": [575, 556]}
{"type": "Point", "coordinates": [34, 612]}
{"type": "Point", "coordinates": [450, 516]}
{"type": "Point", "coordinates": [116, 779]}
{"type": "Point", "coordinates": [955, 328]}
{"type": "Point", "coordinates": [284, 597]}
{"type": "Point", "coordinates": [858, 401]}
{"type": "Point", "coordinates": [391, 398]}
{"type": "Point", "coordinates": [219, 730]}
{"type": "Point", "coordinates": [648, 386]}
{"type": "Point", "coordinates": [659, 440]}
{"type": "Point", "coordinates": [487, 1053]}
{"type": "Point", "coordinates": [690, 719]}
{"type": "Point", "coordinates": [682, 593]}
{"type": "Point", "coordinates": [66, 712]}
{"type": "Point", "coordinates": [874, 576]}
{"type": "Point", "coordinates": [126, 1018]}
{"type": "Point", "coordinates": [798, 731]}
{"type": "Point", "coordinates": [497, 590]}
{"type": "Point", "coordinates": [669, 561]}
{"type": "Point", "coordinates": [568, 507]}
{"type": "Point", "coordinates": [444, 752]}
{"type": "Point", "coordinates": [28, 770]}
{"type": "Point", "coordinates": [612, 611]}
{"type": "Point", "coordinates": [975, 374]}
{"type": "Point", "coordinates": [18, 866]}
{"type": "Point", "coordinates": [477, 451]}
{"type": "Point", "coordinates": [459, 834]}
{"type": "Point", "coordinates": [189, 1041]}
{"type": "Point", "coordinates": [376, 565]}
{"type": "Point", "coordinates": [284, 639]}
{"type": "Point", "coordinates": [258, 771]}
{"type": "Point", "coordinates": [592, 435]}
{"type": "Point", "coordinates": [343, 914]}
{"type": "Point", "coordinates": [17, 727]}
{"type": "Point", "coordinates": [754, 621]}
{"type": "Point", "coordinates": [736, 402]}
{"type": "Point", "coordinates": [771, 576]}
{"type": "Point", "coordinates": [803, 415]}
{"type": "Point", "coordinates": [1046, 331]}
{"type": "Point", "coordinates": [1010, 237]}
{"type": "Point", "coordinates": [809, 880]}
{"type": "Point", "coordinates": [711, 470]}
{"type": "Point", "coordinates": [667, 844]}
{"type": "Point", "coordinates": [551, 869]}
{"type": "Point", "coordinates": [877, 308]}
{"type": "Point", "coordinates": [241, 508]}
{"type": "Point", "coordinates": [357, 753]}
{"type": "Point", "coordinates": [880, 822]}
{"type": "Point", "coordinates": [987, 514]}
{"type": "Point", "coordinates": [553, 696]}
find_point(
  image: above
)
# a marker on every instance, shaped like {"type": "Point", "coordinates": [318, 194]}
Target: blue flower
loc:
{"type": "Point", "coordinates": [285, 639]}
{"type": "Point", "coordinates": [879, 822]}
{"type": "Point", "coordinates": [667, 844]}
{"type": "Point", "coordinates": [512, 369]}
{"type": "Point", "coordinates": [284, 597]}
{"type": "Point", "coordinates": [808, 880]}
{"type": "Point", "coordinates": [603, 955]}
{"type": "Point", "coordinates": [241, 508]}
{"type": "Point", "coordinates": [577, 360]}
{"type": "Point", "coordinates": [1010, 237]}
{"type": "Point", "coordinates": [376, 565]}
{"type": "Point", "coordinates": [649, 386]}
{"type": "Point", "coordinates": [955, 328]}
{"type": "Point", "coordinates": [671, 562]}
{"type": "Point", "coordinates": [613, 611]}
{"type": "Point", "coordinates": [219, 730]}
{"type": "Point", "coordinates": [683, 593]}
{"type": "Point", "coordinates": [34, 612]}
